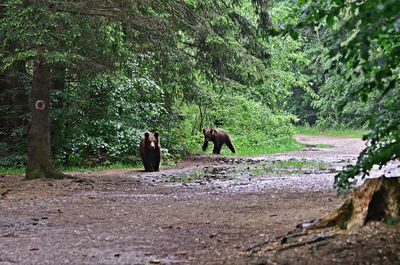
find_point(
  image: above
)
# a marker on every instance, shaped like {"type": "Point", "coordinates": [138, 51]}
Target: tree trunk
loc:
{"type": "Point", "coordinates": [39, 146]}
{"type": "Point", "coordinates": [377, 199]}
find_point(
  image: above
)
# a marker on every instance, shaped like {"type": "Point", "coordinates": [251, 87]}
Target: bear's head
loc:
{"type": "Point", "coordinates": [152, 140]}
{"type": "Point", "coordinates": [209, 134]}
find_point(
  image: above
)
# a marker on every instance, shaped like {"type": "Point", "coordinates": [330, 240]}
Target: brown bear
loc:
{"type": "Point", "coordinates": [150, 151]}
{"type": "Point", "coordinates": [218, 137]}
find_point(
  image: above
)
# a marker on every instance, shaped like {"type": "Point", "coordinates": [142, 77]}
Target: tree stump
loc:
{"type": "Point", "coordinates": [377, 199]}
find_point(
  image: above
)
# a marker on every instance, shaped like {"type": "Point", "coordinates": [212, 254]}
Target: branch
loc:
{"type": "Point", "coordinates": [311, 241]}
{"type": "Point", "coordinates": [256, 247]}
{"type": "Point", "coordinates": [185, 52]}
{"type": "Point", "coordinates": [289, 236]}
{"type": "Point", "coordinates": [81, 13]}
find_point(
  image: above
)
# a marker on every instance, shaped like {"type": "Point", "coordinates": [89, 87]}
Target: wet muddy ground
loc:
{"type": "Point", "coordinates": [205, 210]}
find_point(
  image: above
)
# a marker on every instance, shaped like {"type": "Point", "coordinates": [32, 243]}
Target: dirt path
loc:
{"type": "Point", "coordinates": [205, 211]}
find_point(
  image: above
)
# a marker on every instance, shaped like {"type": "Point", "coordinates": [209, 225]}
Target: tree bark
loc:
{"type": "Point", "coordinates": [39, 163]}
{"type": "Point", "coordinates": [377, 199]}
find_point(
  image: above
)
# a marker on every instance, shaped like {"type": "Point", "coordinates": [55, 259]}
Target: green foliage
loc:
{"type": "Point", "coordinates": [254, 128]}
{"type": "Point", "coordinates": [14, 119]}
{"type": "Point", "coordinates": [57, 37]}
{"type": "Point", "coordinates": [98, 121]}
{"type": "Point", "coordinates": [290, 60]}
{"type": "Point", "coordinates": [103, 118]}
{"type": "Point", "coordinates": [332, 81]}
{"type": "Point", "coordinates": [364, 42]}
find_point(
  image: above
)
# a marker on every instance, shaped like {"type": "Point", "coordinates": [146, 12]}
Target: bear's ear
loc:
{"type": "Point", "coordinates": [156, 134]}
{"type": "Point", "coordinates": [146, 135]}
{"type": "Point", "coordinates": [204, 131]}
{"type": "Point", "coordinates": [213, 131]}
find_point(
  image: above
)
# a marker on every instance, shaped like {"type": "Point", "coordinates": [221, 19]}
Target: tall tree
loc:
{"type": "Point", "coordinates": [39, 146]}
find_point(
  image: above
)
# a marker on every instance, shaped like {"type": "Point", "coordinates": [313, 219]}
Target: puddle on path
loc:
{"type": "Point", "coordinates": [249, 170]}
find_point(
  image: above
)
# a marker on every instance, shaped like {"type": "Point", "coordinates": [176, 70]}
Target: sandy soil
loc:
{"type": "Point", "coordinates": [206, 210]}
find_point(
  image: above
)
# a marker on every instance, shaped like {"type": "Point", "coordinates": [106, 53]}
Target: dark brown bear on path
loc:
{"type": "Point", "coordinates": [218, 137]}
{"type": "Point", "coordinates": [150, 151]}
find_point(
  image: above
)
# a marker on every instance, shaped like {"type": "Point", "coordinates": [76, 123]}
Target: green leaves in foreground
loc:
{"type": "Point", "coordinates": [383, 144]}
{"type": "Point", "coordinates": [365, 38]}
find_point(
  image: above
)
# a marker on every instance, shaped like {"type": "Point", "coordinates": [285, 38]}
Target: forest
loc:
{"type": "Point", "coordinates": [81, 82]}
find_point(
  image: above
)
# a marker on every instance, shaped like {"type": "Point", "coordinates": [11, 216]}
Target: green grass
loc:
{"type": "Point", "coordinates": [267, 147]}
{"type": "Point", "coordinates": [287, 167]}
{"type": "Point", "coordinates": [21, 170]}
{"type": "Point", "coordinates": [12, 170]}
{"type": "Point", "coordinates": [98, 167]}
{"type": "Point", "coordinates": [290, 164]}
{"type": "Point", "coordinates": [187, 178]}
{"type": "Point", "coordinates": [307, 130]}
{"type": "Point", "coordinates": [298, 164]}
{"type": "Point", "coordinates": [323, 145]}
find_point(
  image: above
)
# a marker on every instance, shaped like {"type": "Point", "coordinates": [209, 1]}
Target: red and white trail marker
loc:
{"type": "Point", "coordinates": [40, 105]}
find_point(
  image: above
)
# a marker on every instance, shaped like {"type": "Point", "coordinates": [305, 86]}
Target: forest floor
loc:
{"type": "Point", "coordinates": [205, 210]}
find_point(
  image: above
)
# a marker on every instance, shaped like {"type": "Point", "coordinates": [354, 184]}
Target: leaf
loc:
{"type": "Point", "coordinates": [330, 20]}
{"type": "Point", "coordinates": [294, 34]}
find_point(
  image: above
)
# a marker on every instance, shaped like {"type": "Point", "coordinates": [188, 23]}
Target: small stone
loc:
{"type": "Point", "coordinates": [213, 235]}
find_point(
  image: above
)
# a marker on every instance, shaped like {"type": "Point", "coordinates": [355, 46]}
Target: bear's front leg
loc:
{"type": "Point", "coordinates": [156, 163]}
{"type": "Point", "coordinates": [148, 166]}
{"type": "Point", "coordinates": [217, 148]}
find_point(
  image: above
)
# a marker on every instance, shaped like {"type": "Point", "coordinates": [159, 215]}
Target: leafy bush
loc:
{"type": "Point", "coordinates": [254, 128]}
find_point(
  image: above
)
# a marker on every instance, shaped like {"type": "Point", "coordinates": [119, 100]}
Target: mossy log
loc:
{"type": "Point", "coordinates": [377, 199]}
